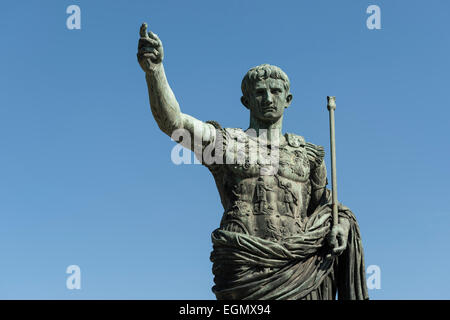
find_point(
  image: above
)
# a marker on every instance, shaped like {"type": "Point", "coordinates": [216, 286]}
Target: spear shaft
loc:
{"type": "Point", "coordinates": [331, 106]}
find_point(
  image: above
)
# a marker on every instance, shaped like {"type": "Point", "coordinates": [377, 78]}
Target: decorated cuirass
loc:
{"type": "Point", "coordinates": [266, 195]}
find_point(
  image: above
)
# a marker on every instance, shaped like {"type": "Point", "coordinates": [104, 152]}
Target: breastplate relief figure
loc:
{"type": "Point", "coordinates": [277, 238]}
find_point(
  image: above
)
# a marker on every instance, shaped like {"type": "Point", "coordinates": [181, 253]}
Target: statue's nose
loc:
{"type": "Point", "coordinates": [268, 98]}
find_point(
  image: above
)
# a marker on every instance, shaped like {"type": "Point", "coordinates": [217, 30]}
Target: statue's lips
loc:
{"type": "Point", "coordinates": [268, 109]}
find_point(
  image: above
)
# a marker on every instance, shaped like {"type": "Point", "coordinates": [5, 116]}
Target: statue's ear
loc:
{"type": "Point", "coordinates": [244, 101]}
{"type": "Point", "coordinates": [288, 100]}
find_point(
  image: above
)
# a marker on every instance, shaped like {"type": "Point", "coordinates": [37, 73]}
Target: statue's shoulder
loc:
{"type": "Point", "coordinates": [295, 140]}
{"type": "Point", "coordinates": [233, 133]}
{"type": "Point", "coordinates": [215, 124]}
{"type": "Point", "coordinates": [227, 134]}
{"type": "Point", "coordinates": [315, 152]}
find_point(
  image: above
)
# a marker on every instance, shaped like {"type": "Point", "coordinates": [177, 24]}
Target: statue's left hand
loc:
{"type": "Point", "coordinates": [337, 238]}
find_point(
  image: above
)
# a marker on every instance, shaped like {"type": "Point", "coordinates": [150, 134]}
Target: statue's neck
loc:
{"type": "Point", "coordinates": [269, 131]}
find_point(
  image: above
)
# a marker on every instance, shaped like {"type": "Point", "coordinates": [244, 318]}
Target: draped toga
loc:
{"type": "Point", "coordinates": [272, 242]}
{"type": "Point", "coordinates": [249, 267]}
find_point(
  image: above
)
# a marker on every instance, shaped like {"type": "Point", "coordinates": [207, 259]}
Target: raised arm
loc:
{"type": "Point", "coordinates": [164, 106]}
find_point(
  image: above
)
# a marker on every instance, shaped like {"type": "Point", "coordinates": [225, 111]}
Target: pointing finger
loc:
{"type": "Point", "coordinates": [143, 31]}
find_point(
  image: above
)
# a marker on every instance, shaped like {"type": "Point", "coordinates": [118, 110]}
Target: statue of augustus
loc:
{"type": "Point", "coordinates": [276, 239]}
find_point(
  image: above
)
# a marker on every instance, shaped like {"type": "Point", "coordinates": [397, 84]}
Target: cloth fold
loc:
{"type": "Point", "coordinates": [249, 267]}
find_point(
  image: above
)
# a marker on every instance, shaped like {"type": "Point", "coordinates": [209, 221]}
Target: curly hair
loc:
{"type": "Point", "coordinates": [262, 72]}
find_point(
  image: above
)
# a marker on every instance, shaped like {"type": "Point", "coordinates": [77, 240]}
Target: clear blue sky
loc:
{"type": "Point", "coordinates": [86, 176]}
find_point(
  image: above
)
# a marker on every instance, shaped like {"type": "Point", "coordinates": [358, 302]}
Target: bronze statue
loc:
{"type": "Point", "coordinates": [276, 239]}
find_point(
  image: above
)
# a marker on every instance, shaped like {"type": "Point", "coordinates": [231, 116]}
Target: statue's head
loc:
{"type": "Point", "coordinates": [265, 92]}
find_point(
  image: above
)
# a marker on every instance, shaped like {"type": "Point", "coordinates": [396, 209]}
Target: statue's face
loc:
{"type": "Point", "coordinates": [268, 100]}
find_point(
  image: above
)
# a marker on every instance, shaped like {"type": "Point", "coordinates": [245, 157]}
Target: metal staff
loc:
{"type": "Point", "coordinates": [331, 106]}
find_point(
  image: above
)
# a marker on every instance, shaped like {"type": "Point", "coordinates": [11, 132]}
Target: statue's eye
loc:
{"type": "Point", "coordinates": [259, 92]}
{"type": "Point", "coordinates": [276, 91]}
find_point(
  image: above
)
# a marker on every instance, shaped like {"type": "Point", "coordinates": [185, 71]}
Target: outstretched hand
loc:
{"type": "Point", "coordinates": [150, 49]}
